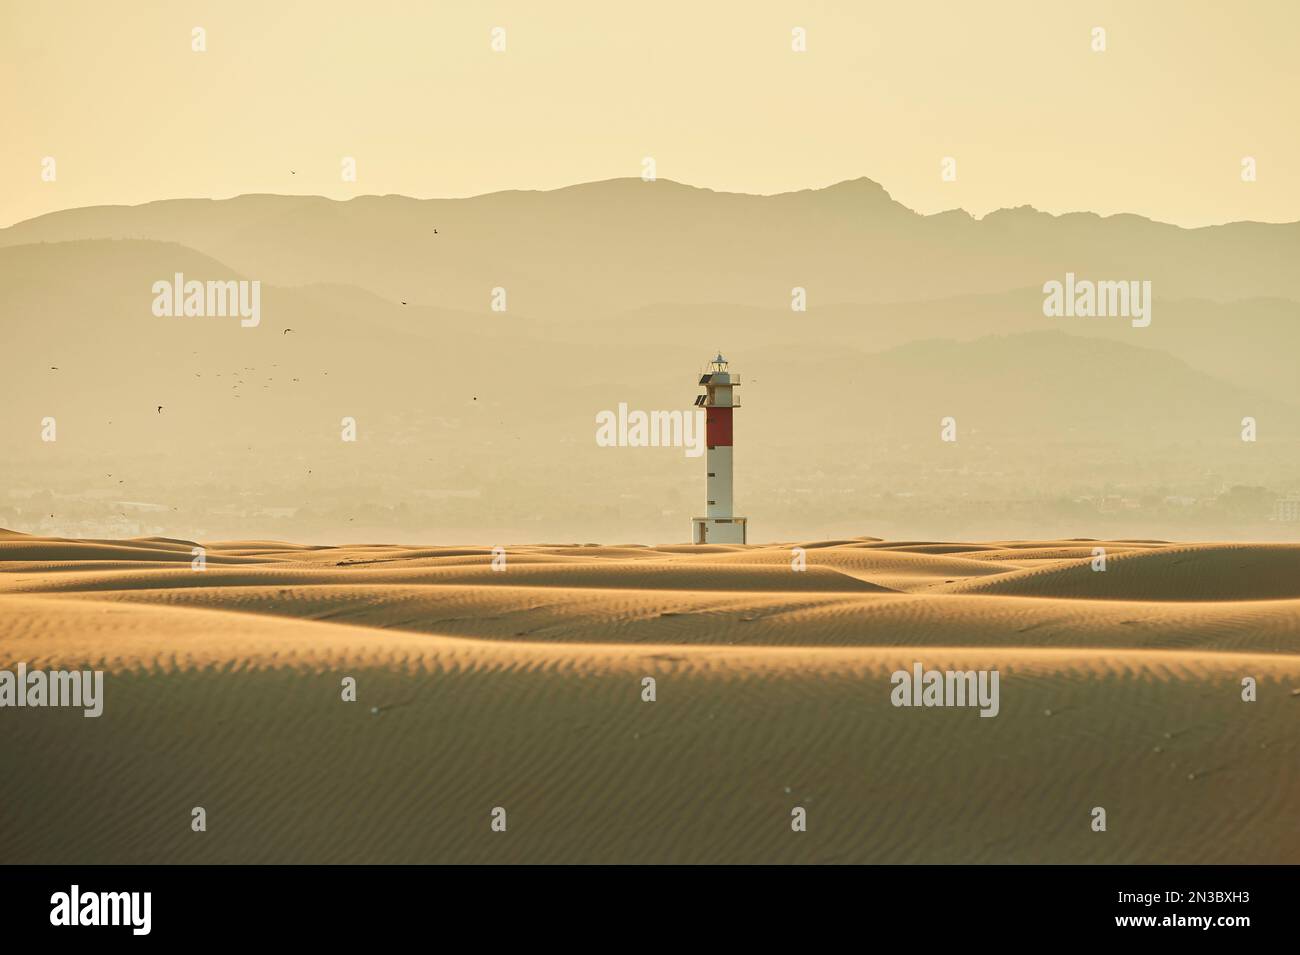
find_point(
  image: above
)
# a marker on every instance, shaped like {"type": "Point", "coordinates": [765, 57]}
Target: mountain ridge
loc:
{"type": "Point", "coordinates": [839, 188]}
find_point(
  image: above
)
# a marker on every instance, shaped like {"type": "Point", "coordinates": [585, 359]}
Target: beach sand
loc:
{"type": "Point", "coordinates": [522, 689]}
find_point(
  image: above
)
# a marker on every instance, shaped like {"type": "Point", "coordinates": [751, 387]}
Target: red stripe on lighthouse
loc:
{"type": "Point", "coordinates": [717, 429]}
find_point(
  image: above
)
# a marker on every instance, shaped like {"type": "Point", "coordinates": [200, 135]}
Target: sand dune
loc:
{"type": "Point", "coordinates": [521, 688]}
{"type": "Point", "coordinates": [1194, 572]}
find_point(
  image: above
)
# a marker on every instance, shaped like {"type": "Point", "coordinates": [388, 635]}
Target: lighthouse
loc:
{"type": "Point", "coordinates": [719, 525]}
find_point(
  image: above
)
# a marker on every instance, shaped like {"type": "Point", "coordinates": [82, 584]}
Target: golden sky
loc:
{"type": "Point", "coordinates": [1157, 124]}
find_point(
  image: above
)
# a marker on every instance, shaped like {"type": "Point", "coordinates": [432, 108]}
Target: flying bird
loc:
{"type": "Point", "coordinates": [160, 409]}
{"type": "Point", "coordinates": [286, 331]}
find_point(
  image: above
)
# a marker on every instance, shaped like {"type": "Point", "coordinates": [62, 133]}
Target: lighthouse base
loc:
{"type": "Point", "coordinates": [718, 530]}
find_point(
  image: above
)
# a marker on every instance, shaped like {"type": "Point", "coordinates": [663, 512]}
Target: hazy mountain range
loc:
{"type": "Point", "coordinates": [474, 422]}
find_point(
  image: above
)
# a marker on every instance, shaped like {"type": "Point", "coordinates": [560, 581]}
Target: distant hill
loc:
{"type": "Point", "coordinates": [378, 310]}
{"type": "Point", "coordinates": [1249, 342]}
{"type": "Point", "coordinates": [85, 308]}
{"type": "Point", "coordinates": [596, 249]}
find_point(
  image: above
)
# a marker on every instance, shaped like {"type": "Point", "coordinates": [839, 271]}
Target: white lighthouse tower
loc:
{"type": "Point", "coordinates": [719, 525]}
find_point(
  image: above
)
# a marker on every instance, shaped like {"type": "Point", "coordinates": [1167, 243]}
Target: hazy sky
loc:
{"type": "Point", "coordinates": [1157, 124]}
